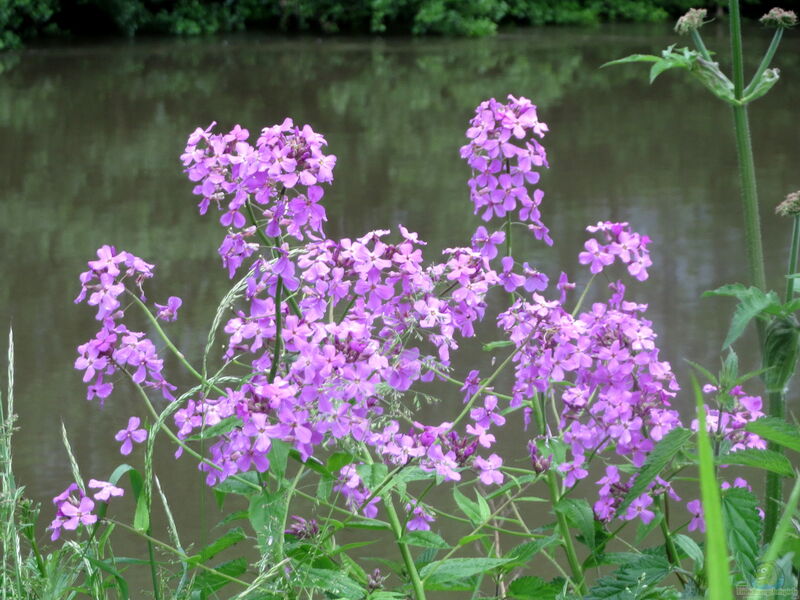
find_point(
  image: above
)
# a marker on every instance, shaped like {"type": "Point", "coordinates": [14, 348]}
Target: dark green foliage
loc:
{"type": "Point", "coordinates": [24, 19]}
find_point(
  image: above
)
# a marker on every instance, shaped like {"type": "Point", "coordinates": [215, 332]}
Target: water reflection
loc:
{"type": "Point", "coordinates": [91, 136]}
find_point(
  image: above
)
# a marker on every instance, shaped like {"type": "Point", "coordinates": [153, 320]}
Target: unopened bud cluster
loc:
{"type": "Point", "coordinates": [777, 17]}
{"type": "Point", "coordinates": [790, 207]}
{"type": "Point", "coordinates": [691, 21]}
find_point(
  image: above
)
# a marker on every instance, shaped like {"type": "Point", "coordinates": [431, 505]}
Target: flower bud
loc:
{"type": "Point", "coordinates": [790, 207]}
{"type": "Point", "coordinates": [777, 17]}
{"type": "Point", "coordinates": [539, 463]}
{"type": "Point", "coordinates": [691, 21]}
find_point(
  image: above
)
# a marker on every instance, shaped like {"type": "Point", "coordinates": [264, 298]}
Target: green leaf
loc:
{"type": "Point", "coordinates": [716, 562]}
{"type": "Point", "coordinates": [662, 454]}
{"type": "Point", "coordinates": [580, 515]}
{"type": "Point", "coordinates": [532, 588]}
{"type": "Point", "coordinates": [768, 79]}
{"type": "Point", "coordinates": [484, 511]}
{"type": "Point", "coordinates": [470, 509]}
{"type": "Point", "coordinates": [634, 581]}
{"type": "Point", "coordinates": [470, 538]}
{"type": "Point", "coordinates": [752, 301]}
{"type": "Point", "coordinates": [743, 525]}
{"type": "Point", "coordinates": [234, 536]}
{"type": "Point", "coordinates": [663, 65]}
{"type": "Point", "coordinates": [233, 485]}
{"type": "Point", "coordinates": [108, 567]}
{"type": "Point", "coordinates": [760, 459]}
{"type": "Point", "coordinates": [278, 457]}
{"type": "Point", "coordinates": [209, 582]}
{"type": "Point", "coordinates": [690, 547]}
{"type": "Point", "coordinates": [781, 349]}
{"type": "Point", "coordinates": [633, 58]}
{"type": "Point", "coordinates": [335, 583]}
{"type": "Point", "coordinates": [224, 426]}
{"type": "Point", "coordinates": [372, 474]}
{"type": "Point", "coordinates": [458, 568]}
{"type": "Point", "coordinates": [776, 430]}
{"type": "Point", "coordinates": [522, 554]}
{"type": "Point", "coordinates": [267, 511]}
{"type": "Point", "coordinates": [488, 347]}
{"type": "Point", "coordinates": [425, 539]}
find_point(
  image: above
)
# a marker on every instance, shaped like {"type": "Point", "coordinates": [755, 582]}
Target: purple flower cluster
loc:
{"type": "Point", "coordinates": [279, 178]}
{"type": "Point", "coordinates": [621, 243]}
{"type": "Point", "coordinates": [74, 507]}
{"type": "Point", "coordinates": [114, 346]}
{"type": "Point", "coordinates": [617, 393]}
{"type": "Point", "coordinates": [728, 424]}
{"type": "Point", "coordinates": [504, 154]}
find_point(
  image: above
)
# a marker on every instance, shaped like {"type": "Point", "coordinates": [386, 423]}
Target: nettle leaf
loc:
{"type": "Point", "coordinates": [752, 302]}
{"type": "Point", "coordinates": [488, 347]}
{"type": "Point", "coordinates": [581, 516]}
{"type": "Point", "coordinates": [760, 459]}
{"type": "Point", "coordinates": [776, 430]}
{"type": "Point", "coordinates": [373, 474]}
{"type": "Point", "coordinates": [233, 485]}
{"type": "Point", "coordinates": [743, 525]}
{"type": "Point", "coordinates": [781, 350]}
{"type": "Point", "coordinates": [533, 588]}
{"type": "Point", "coordinates": [634, 581]}
{"type": "Point", "coordinates": [425, 539]}
{"type": "Point", "coordinates": [662, 454]}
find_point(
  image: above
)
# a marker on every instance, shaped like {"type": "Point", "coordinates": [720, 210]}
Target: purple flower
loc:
{"type": "Point", "coordinates": [169, 312]}
{"type": "Point", "coordinates": [105, 490]}
{"type": "Point", "coordinates": [490, 469]}
{"type": "Point", "coordinates": [696, 510]}
{"type": "Point", "coordinates": [130, 435]}
{"type": "Point", "coordinates": [639, 508]}
{"type": "Point", "coordinates": [420, 519]}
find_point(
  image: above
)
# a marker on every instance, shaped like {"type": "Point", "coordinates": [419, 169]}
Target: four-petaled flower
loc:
{"type": "Point", "coordinates": [129, 435]}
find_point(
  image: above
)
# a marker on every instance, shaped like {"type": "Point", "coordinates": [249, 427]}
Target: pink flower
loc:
{"type": "Point", "coordinates": [130, 435]}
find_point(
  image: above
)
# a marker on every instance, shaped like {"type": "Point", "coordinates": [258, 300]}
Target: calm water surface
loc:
{"type": "Point", "coordinates": [90, 146]}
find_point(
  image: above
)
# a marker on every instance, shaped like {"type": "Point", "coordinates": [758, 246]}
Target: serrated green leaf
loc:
{"type": "Point", "coordinates": [372, 474]}
{"type": "Point", "coordinates": [278, 457]}
{"type": "Point", "coordinates": [532, 588]}
{"type": "Point", "coordinates": [774, 429]}
{"type": "Point", "coordinates": [661, 66]}
{"type": "Point", "coordinates": [483, 507]}
{"type": "Point", "coordinates": [743, 525]}
{"type": "Point", "coordinates": [580, 515]}
{"type": "Point", "coordinates": [470, 538]}
{"type": "Point", "coordinates": [425, 539]}
{"type": "Point", "coordinates": [634, 581]}
{"type": "Point", "coordinates": [760, 459]}
{"type": "Point", "coordinates": [752, 301]}
{"type": "Point", "coordinates": [334, 582]}
{"type": "Point", "coordinates": [662, 454]}
{"type": "Point", "coordinates": [781, 350]}
{"type": "Point", "coordinates": [266, 512]}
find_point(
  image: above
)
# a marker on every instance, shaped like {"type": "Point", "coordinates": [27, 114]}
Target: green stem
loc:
{"type": "Point", "coordinates": [271, 244]}
{"type": "Point", "coordinates": [408, 560]}
{"type": "Point", "coordinates": [765, 62]}
{"type": "Point", "coordinates": [698, 42]}
{"type": "Point", "coordinates": [736, 48]}
{"type": "Point", "coordinates": [774, 486]}
{"type": "Point", "coordinates": [508, 234]}
{"type": "Point", "coordinates": [583, 295]}
{"type": "Point", "coordinates": [561, 518]}
{"type": "Point", "coordinates": [276, 354]}
{"type": "Point", "coordinates": [151, 555]}
{"type": "Point", "coordinates": [669, 544]}
{"type": "Point", "coordinates": [793, 258]}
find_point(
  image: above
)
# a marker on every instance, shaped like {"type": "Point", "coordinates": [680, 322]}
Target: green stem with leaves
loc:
{"type": "Point", "coordinates": [408, 560]}
{"type": "Point", "coordinates": [792, 269]}
{"type": "Point", "coordinates": [561, 519]}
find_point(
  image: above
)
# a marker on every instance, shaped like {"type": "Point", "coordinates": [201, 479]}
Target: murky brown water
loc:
{"type": "Point", "coordinates": [91, 136]}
